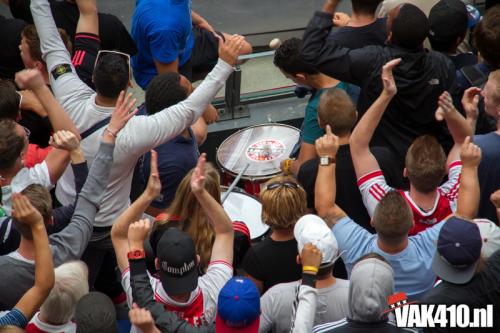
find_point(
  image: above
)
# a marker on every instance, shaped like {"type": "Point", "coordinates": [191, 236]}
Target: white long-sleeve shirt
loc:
{"type": "Point", "coordinates": [141, 134]}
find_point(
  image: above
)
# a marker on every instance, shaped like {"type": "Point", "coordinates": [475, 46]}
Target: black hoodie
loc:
{"type": "Point", "coordinates": [421, 77]}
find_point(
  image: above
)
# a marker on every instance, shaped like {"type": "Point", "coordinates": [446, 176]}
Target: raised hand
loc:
{"type": "Point", "coordinates": [198, 176]}
{"type": "Point", "coordinates": [143, 319]}
{"type": "Point", "coordinates": [495, 199]}
{"type": "Point", "coordinates": [470, 154]}
{"type": "Point", "coordinates": [64, 140]}
{"type": "Point", "coordinates": [137, 233]}
{"type": "Point", "coordinates": [23, 211]}
{"type": "Point", "coordinates": [388, 77]}
{"type": "Point", "coordinates": [470, 100]}
{"type": "Point", "coordinates": [30, 79]}
{"type": "Point", "coordinates": [445, 106]}
{"type": "Point", "coordinates": [328, 144]}
{"type": "Point", "coordinates": [310, 257]}
{"type": "Point", "coordinates": [230, 49]}
{"type": "Point", "coordinates": [124, 111]}
{"type": "Point", "coordinates": [153, 189]}
{"type": "Point", "coordinates": [340, 19]}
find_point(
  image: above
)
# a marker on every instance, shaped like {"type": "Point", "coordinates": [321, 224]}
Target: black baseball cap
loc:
{"type": "Point", "coordinates": [448, 19]}
{"type": "Point", "coordinates": [176, 255]}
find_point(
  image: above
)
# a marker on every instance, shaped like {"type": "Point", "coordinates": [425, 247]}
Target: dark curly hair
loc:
{"type": "Point", "coordinates": [163, 91]}
{"type": "Point", "coordinates": [287, 58]}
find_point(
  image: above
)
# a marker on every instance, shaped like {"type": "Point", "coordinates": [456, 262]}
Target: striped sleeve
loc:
{"type": "Point", "coordinates": [450, 188]}
{"type": "Point", "coordinates": [15, 318]}
{"type": "Point", "coordinates": [373, 188]}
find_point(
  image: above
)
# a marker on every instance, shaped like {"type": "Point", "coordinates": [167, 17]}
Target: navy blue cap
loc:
{"type": "Point", "coordinates": [238, 307]}
{"type": "Point", "coordinates": [458, 251]}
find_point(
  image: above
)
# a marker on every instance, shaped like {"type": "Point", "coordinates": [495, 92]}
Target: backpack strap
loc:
{"type": "Point", "coordinates": [94, 128]}
{"type": "Point", "coordinates": [474, 75]}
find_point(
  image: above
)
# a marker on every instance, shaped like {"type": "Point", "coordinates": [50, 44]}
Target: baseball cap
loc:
{"type": "Point", "coordinates": [458, 250]}
{"type": "Point", "coordinates": [95, 312]}
{"type": "Point", "coordinates": [448, 19]}
{"type": "Point", "coordinates": [176, 255]}
{"type": "Point", "coordinates": [312, 229]}
{"type": "Point", "coordinates": [473, 14]}
{"type": "Point", "coordinates": [238, 307]}
{"type": "Point", "coordinates": [490, 234]}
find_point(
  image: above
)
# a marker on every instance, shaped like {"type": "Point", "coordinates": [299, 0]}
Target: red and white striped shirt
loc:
{"type": "Point", "coordinates": [373, 187]}
{"type": "Point", "coordinates": [201, 307]}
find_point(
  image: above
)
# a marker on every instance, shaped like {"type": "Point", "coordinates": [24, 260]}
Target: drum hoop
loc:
{"type": "Point", "coordinates": [250, 178]}
{"type": "Point", "coordinates": [240, 191]}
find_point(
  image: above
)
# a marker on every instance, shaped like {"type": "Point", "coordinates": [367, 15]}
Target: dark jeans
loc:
{"type": "Point", "coordinates": [101, 261]}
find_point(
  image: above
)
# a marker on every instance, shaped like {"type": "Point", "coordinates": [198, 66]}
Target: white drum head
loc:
{"type": "Point", "coordinates": [242, 207]}
{"type": "Point", "coordinates": [262, 147]}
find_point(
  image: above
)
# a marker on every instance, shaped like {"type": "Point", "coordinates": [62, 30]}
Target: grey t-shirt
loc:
{"type": "Point", "coordinates": [277, 305]}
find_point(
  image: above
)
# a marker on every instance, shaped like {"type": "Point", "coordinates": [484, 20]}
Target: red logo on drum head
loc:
{"type": "Point", "coordinates": [265, 150]}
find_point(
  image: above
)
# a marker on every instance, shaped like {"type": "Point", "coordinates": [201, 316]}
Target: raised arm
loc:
{"type": "Point", "coordinates": [362, 158]}
{"type": "Point", "coordinates": [64, 81]}
{"type": "Point", "coordinates": [88, 21]}
{"type": "Point", "coordinates": [70, 243]}
{"type": "Point", "coordinates": [495, 200]}
{"type": "Point", "coordinates": [220, 221]}
{"type": "Point", "coordinates": [469, 194]}
{"type": "Point", "coordinates": [458, 126]}
{"type": "Point", "coordinates": [142, 292]}
{"type": "Point", "coordinates": [133, 213]}
{"type": "Point", "coordinates": [166, 124]}
{"type": "Point", "coordinates": [326, 187]}
{"type": "Point", "coordinates": [303, 319]}
{"type": "Point", "coordinates": [24, 212]}
{"type": "Point", "coordinates": [31, 79]}
{"type": "Point", "coordinates": [332, 59]}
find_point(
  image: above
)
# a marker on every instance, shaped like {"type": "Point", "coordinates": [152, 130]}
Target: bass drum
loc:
{"type": "Point", "coordinates": [241, 206]}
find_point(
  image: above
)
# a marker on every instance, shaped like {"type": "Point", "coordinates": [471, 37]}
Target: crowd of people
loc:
{"type": "Point", "coordinates": [107, 205]}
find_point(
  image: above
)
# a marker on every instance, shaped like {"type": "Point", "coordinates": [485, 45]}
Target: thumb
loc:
{"type": "Point", "coordinates": [467, 141]}
{"type": "Point", "coordinates": [476, 100]}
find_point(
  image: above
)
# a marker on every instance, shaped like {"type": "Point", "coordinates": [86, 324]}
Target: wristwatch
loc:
{"type": "Point", "coordinates": [137, 254]}
{"type": "Point", "coordinates": [326, 160]}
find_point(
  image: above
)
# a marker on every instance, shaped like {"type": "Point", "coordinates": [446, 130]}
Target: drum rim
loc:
{"type": "Point", "coordinates": [250, 178]}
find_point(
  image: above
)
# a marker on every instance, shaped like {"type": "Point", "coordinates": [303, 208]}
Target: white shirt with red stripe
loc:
{"type": "Point", "coordinates": [201, 307]}
{"type": "Point", "coordinates": [373, 187]}
{"type": "Point", "coordinates": [38, 326]}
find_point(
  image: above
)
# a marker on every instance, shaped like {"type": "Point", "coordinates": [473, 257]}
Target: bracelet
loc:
{"type": "Point", "coordinates": [109, 131]}
{"type": "Point", "coordinates": [310, 269]}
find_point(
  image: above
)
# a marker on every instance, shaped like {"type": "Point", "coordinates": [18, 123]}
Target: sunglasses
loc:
{"type": "Point", "coordinates": [285, 184]}
{"type": "Point", "coordinates": [27, 131]}
{"type": "Point", "coordinates": [125, 56]}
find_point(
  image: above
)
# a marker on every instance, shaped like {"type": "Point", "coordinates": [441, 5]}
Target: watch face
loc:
{"type": "Point", "coordinates": [324, 160]}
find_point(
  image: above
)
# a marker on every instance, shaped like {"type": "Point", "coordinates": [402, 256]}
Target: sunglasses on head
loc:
{"type": "Point", "coordinates": [284, 184]}
{"type": "Point", "coordinates": [125, 56]}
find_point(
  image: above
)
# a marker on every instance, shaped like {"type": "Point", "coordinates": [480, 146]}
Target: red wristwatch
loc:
{"type": "Point", "coordinates": [137, 254]}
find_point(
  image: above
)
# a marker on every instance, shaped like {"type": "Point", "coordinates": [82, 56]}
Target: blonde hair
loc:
{"type": "Point", "coordinates": [282, 206]}
{"type": "Point", "coordinates": [193, 219]}
{"type": "Point", "coordinates": [71, 285]}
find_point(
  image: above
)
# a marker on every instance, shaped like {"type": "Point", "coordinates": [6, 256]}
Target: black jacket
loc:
{"type": "Point", "coordinates": [421, 77]}
{"type": "Point", "coordinates": [142, 293]}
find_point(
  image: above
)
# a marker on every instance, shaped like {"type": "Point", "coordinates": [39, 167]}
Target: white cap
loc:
{"type": "Point", "coordinates": [312, 229]}
{"type": "Point", "coordinates": [490, 234]}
